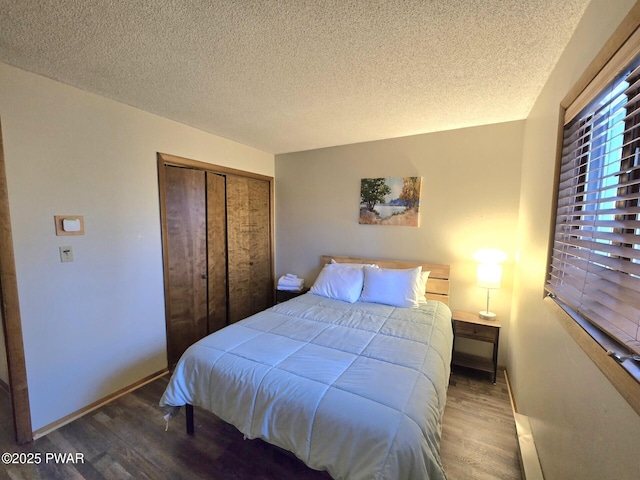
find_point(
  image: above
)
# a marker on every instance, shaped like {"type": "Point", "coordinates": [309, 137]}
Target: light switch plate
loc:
{"type": "Point", "coordinates": [66, 254]}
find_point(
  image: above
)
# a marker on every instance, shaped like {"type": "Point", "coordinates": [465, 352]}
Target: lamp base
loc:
{"type": "Point", "coordinates": [487, 315]}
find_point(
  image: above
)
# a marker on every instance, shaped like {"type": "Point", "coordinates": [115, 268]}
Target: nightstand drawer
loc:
{"type": "Point", "coordinates": [476, 332]}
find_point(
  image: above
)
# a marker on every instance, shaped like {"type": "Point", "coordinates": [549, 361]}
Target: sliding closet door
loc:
{"type": "Point", "coordinates": [186, 242]}
{"type": "Point", "coordinates": [217, 251]}
{"type": "Point", "coordinates": [249, 246]}
{"type": "Point", "coordinates": [217, 248]}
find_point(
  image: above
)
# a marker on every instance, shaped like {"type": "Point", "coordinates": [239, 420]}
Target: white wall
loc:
{"type": "Point", "coordinates": [96, 325]}
{"type": "Point", "coordinates": [470, 192]}
{"type": "Point", "coordinates": [583, 428]}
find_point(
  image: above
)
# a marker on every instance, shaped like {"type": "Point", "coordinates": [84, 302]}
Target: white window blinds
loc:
{"type": "Point", "coordinates": [595, 264]}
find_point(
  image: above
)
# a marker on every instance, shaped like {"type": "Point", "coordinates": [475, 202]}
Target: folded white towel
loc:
{"type": "Point", "coordinates": [289, 289]}
{"type": "Point", "coordinates": [291, 276]}
{"type": "Point", "coordinates": [290, 282]}
{"type": "Point", "coordinates": [297, 285]}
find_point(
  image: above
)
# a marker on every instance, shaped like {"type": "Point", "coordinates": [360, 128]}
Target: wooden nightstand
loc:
{"type": "Point", "coordinates": [284, 295]}
{"type": "Point", "coordinates": [470, 325]}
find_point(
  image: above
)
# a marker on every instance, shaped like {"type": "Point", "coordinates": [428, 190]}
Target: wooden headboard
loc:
{"type": "Point", "coordinates": [437, 285]}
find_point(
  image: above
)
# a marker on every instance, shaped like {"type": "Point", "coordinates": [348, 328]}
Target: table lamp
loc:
{"type": "Point", "coordinates": [489, 274]}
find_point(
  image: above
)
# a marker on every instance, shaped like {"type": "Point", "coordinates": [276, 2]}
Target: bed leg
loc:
{"type": "Point", "coordinates": [189, 414]}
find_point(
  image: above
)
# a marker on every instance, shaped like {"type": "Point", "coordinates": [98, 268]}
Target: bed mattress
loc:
{"type": "Point", "coordinates": [357, 389]}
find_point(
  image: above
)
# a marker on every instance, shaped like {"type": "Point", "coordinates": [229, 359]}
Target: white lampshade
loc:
{"type": "Point", "coordinates": [489, 275]}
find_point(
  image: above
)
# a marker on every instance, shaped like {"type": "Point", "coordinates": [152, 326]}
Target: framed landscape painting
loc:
{"type": "Point", "coordinates": [390, 201]}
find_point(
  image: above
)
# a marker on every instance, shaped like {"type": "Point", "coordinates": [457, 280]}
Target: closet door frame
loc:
{"type": "Point", "coordinates": [165, 160]}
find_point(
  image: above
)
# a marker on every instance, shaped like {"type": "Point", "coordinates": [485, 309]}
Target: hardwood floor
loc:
{"type": "Point", "coordinates": [126, 440]}
{"type": "Point", "coordinates": [478, 431]}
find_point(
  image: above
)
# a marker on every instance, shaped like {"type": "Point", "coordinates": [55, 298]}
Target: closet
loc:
{"type": "Point", "coordinates": [217, 242]}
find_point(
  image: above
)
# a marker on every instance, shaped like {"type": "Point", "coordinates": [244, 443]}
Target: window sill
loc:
{"type": "Point", "coordinates": [625, 376]}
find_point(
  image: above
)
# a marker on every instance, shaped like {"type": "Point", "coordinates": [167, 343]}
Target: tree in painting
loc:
{"type": "Point", "coordinates": [410, 191]}
{"type": "Point", "coordinates": [373, 191]}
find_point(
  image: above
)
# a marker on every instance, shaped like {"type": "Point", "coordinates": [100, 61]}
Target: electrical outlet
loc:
{"type": "Point", "coordinates": [66, 254]}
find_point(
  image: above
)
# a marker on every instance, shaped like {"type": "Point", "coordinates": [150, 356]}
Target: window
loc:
{"type": "Point", "coordinates": [595, 260]}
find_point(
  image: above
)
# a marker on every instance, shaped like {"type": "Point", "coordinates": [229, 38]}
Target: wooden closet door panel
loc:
{"type": "Point", "coordinates": [238, 248]}
{"type": "Point", "coordinates": [261, 278]}
{"type": "Point", "coordinates": [249, 246]}
{"type": "Point", "coordinates": [187, 259]}
{"type": "Point", "coordinates": [217, 251]}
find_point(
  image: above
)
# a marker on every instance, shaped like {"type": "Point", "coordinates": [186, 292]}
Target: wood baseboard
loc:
{"type": "Point", "coordinates": [529, 461]}
{"type": "Point", "coordinates": [41, 432]}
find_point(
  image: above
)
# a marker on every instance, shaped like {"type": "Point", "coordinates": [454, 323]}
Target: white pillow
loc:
{"type": "Point", "coordinates": [395, 287]}
{"type": "Point", "coordinates": [340, 283]}
{"type": "Point", "coordinates": [424, 277]}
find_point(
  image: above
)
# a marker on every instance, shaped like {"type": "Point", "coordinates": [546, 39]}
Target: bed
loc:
{"type": "Point", "coordinates": [356, 388]}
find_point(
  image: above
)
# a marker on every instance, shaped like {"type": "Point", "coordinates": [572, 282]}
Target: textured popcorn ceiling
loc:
{"type": "Point", "coordinates": [290, 75]}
